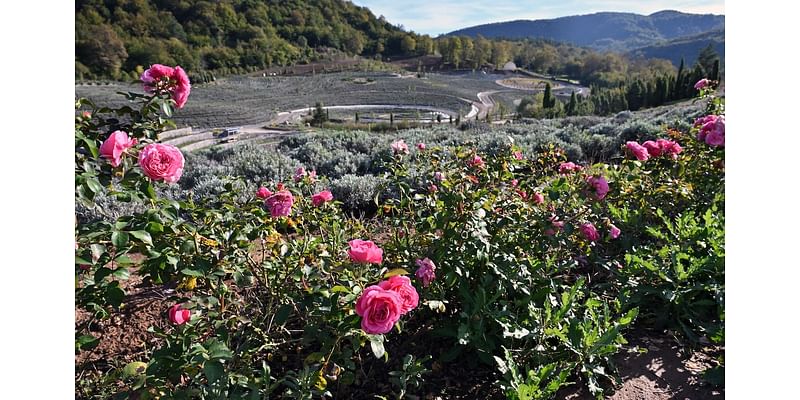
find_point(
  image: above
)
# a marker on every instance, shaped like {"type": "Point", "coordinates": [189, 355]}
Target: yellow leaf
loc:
{"type": "Point", "coordinates": [321, 383]}
{"type": "Point", "coordinates": [396, 271]}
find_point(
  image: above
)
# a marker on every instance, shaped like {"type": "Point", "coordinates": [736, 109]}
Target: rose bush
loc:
{"type": "Point", "coordinates": [294, 307]}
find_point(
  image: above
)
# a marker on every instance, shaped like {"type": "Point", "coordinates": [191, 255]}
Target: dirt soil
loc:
{"type": "Point", "coordinates": [666, 371]}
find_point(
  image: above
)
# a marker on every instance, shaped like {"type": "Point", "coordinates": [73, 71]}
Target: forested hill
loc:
{"type": "Point", "coordinates": [604, 31]}
{"type": "Point", "coordinates": [686, 47]}
{"type": "Point", "coordinates": [116, 38]}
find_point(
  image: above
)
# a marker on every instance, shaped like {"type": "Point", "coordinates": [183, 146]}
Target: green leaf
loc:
{"type": "Point", "coordinates": [166, 108]}
{"type": "Point", "coordinates": [213, 370]}
{"type": "Point", "coordinates": [396, 271]}
{"type": "Point", "coordinates": [376, 343]}
{"type": "Point", "coordinates": [86, 342]}
{"type": "Point", "coordinates": [119, 238]}
{"type": "Point", "coordinates": [94, 185]}
{"type": "Point", "coordinates": [121, 274]}
{"type": "Point", "coordinates": [340, 289]}
{"type": "Point", "coordinates": [218, 350]}
{"type": "Point", "coordinates": [191, 272]}
{"type": "Point", "coordinates": [97, 251]}
{"type": "Point", "coordinates": [283, 314]}
{"type": "Point", "coordinates": [134, 369]}
{"type": "Point", "coordinates": [143, 236]}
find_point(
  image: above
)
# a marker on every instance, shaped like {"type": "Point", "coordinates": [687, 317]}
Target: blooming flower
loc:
{"type": "Point", "coordinates": [652, 148]}
{"type": "Point", "coordinates": [556, 226]}
{"type": "Point", "coordinates": [365, 251]}
{"type": "Point", "coordinates": [402, 286]}
{"type": "Point", "coordinates": [476, 161]}
{"type": "Point", "coordinates": [712, 130]}
{"type": "Point", "coordinates": [116, 144]}
{"type": "Point", "coordinates": [421, 146]}
{"type": "Point", "coordinates": [669, 148]}
{"type": "Point", "coordinates": [379, 309]}
{"type": "Point", "coordinates": [179, 315]}
{"type": "Point", "coordinates": [639, 151]}
{"type": "Point", "coordinates": [537, 198]}
{"type": "Point", "coordinates": [438, 176]}
{"type": "Point", "coordinates": [400, 147]}
{"type": "Point", "coordinates": [568, 167]}
{"type": "Point", "coordinates": [433, 188]}
{"type": "Point", "coordinates": [426, 271]}
{"type": "Point", "coordinates": [589, 232]}
{"type": "Point", "coordinates": [514, 183]}
{"type": "Point", "coordinates": [163, 79]}
{"type": "Point", "coordinates": [263, 193]}
{"type": "Point", "coordinates": [518, 155]}
{"type": "Point", "coordinates": [599, 185]}
{"type": "Point", "coordinates": [161, 162]}
{"type": "Point", "coordinates": [280, 203]}
{"type": "Point", "coordinates": [299, 174]}
{"type": "Point", "coordinates": [321, 198]}
{"type": "Point", "coordinates": [614, 231]}
{"type": "Point", "coordinates": [701, 83]}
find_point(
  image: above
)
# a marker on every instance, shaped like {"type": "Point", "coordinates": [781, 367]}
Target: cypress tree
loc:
{"type": "Point", "coordinates": [678, 86]}
{"type": "Point", "coordinates": [547, 101]}
{"type": "Point", "coordinates": [715, 71]}
{"type": "Point", "coordinates": [572, 105]}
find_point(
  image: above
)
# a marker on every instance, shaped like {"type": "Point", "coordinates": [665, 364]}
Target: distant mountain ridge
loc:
{"type": "Point", "coordinates": [686, 47]}
{"type": "Point", "coordinates": [614, 31]}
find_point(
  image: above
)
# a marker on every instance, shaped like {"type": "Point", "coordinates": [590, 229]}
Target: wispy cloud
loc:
{"type": "Point", "coordinates": [435, 17]}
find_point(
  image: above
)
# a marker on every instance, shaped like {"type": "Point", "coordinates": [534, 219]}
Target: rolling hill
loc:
{"type": "Point", "coordinates": [605, 30]}
{"type": "Point", "coordinates": [687, 47]}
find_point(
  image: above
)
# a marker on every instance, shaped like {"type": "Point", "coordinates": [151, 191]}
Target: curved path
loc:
{"type": "Point", "coordinates": [203, 138]}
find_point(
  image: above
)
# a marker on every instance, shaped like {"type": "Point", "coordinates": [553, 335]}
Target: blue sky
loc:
{"type": "Point", "coordinates": [441, 16]}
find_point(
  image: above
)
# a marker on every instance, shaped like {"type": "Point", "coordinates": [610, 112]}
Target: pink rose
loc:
{"type": "Point", "coordinates": [161, 162]}
{"type": "Point", "coordinates": [701, 83]}
{"type": "Point", "coordinates": [476, 161]}
{"type": "Point", "coordinates": [589, 232]}
{"type": "Point", "coordinates": [669, 148]}
{"type": "Point", "coordinates": [568, 167]}
{"type": "Point", "coordinates": [321, 198]}
{"type": "Point", "coordinates": [299, 174]}
{"type": "Point", "coordinates": [518, 155]}
{"type": "Point", "coordinates": [433, 188]}
{"type": "Point", "coordinates": [421, 146]}
{"type": "Point", "coordinates": [178, 315]}
{"type": "Point", "coordinates": [639, 151]}
{"type": "Point", "coordinates": [514, 183]}
{"type": "Point", "coordinates": [163, 79]}
{"type": "Point", "coordinates": [263, 193]}
{"type": "Point", "coordinates": [653, 148]}
{"type": "Point", "coordinates": [280, 203]}
{"type": "Point", "coordinates": [713, 126]}
{"type": "Point", "coordinates": [402, 286]}
{"type": "Point", "coordinates": [379, 309]}
{"type": "Point", "coordinates": [400, 147]}
{"type": "Point", "coordinates": [115, 145]}
{"type": "Point", "coordinates": [523, 194]}
{"type": "Point", "coordinates": [556, 226]}
{"type": "Point", "coordinates": [614, 231]}
{"type": "Point", "coordinates": [537, 198]}
{"type": "Point", "coordinates": [599, 185]}
{"type": "Point", "coordinates": [365, 251]}
{"type": "Point", "coordinates": [426, 271]}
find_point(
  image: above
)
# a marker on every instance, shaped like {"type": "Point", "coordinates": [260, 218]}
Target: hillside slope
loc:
{"type": "Point", "coordinates": [686, 47]}
{"type": "Point", "coordinates": [115, 38]}
{"type": "Point", "coordinates": [605, 30]}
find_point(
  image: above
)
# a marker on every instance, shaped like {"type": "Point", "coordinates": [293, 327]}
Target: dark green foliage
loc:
{"type": "Point", "coordinates": [228, 34]}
